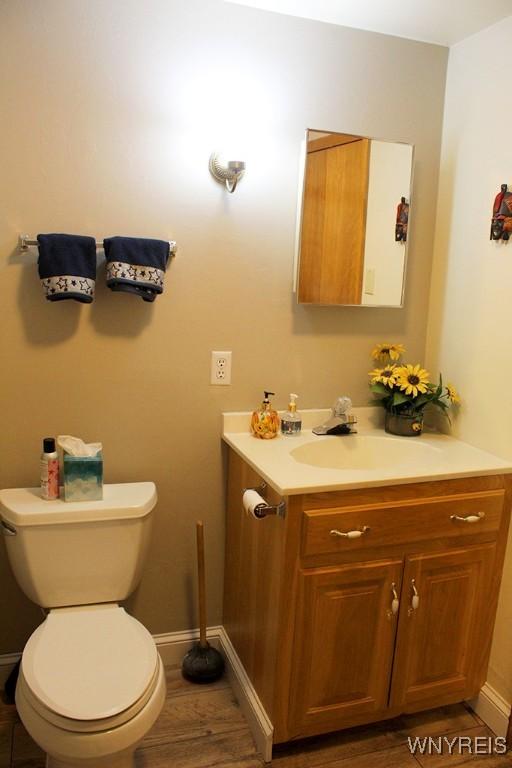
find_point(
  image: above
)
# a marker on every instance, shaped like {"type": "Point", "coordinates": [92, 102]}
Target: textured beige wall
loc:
{"type": "Point", "coordinates": [470, 327]}
{"type": "Point", "coordinates": [110, 109]}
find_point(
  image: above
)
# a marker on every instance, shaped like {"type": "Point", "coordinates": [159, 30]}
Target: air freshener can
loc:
{"type": "Point", "coordinates": [49, 470]}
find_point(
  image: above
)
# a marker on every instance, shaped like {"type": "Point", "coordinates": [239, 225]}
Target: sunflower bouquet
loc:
{"type": "Point", "coordinates": [405, 390]}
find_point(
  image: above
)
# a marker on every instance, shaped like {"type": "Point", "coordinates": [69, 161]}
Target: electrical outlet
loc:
{"type": "Point", "coordinates": [220, 368]}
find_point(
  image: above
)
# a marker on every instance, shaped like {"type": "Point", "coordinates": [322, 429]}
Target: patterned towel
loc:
{"type": "Point", "coordinates": [67, 267]}
{"type": "Point", "coordinates": [136, 265]}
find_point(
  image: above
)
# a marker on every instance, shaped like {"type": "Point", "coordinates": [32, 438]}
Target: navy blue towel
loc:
{"type": "Point", "coordinates": [136, 265]}
{"type": "Point", "coordinates": [67, 267]}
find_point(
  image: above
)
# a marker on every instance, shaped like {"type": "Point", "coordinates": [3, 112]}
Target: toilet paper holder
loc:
{"type": "Point", "coordinates": [264, 509]}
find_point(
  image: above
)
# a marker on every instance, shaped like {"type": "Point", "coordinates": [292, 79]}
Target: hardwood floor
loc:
{"type": "Point", "coordinates": [202, 726]}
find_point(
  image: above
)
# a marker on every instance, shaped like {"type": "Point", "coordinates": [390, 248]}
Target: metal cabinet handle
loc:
{"type": "Point", "coordinates": [468, 518]}
{"type": "Point", "coordinates": [415, 601]}
{"type": "Point", "coordinates": [8, 529]}
{"type": "Point", "coordinates": [350, 534]}
{"type": "Point", "coordinates": [395, 603]}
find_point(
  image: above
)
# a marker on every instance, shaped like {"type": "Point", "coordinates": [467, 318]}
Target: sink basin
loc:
{"type": "Point", "coordinates": [310, 463]}
{"type": "Point", "coordinates": [365, 452]}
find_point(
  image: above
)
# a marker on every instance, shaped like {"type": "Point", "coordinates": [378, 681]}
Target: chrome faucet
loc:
{"type": "Point", "coordinates": [341, 421]}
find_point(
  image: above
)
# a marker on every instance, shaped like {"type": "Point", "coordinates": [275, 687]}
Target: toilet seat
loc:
{"type": "Point", "coordinates": [90, 668]}
{"type": "Point", "coordinates": [91, 726]}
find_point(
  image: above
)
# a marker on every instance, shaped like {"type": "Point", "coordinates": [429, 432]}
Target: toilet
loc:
{"type": "Point", "coordinates": [91, 682]}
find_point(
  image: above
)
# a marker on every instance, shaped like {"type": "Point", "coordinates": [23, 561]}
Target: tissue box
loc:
{"type": "Point", "coordinates": [83, 477]}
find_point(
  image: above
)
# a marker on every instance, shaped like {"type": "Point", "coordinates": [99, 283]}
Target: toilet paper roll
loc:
{"type": "Point", "coordinates": [250, 500]}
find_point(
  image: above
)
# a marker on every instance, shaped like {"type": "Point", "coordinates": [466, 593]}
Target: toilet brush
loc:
{"type": "Point", "coordinates": [202, 664]}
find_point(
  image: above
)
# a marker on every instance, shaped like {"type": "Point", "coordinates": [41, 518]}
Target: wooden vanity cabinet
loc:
{"type": "Point", "coordinates": [336, 631]}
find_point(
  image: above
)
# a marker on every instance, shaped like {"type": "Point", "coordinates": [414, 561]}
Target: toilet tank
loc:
{"type": "Point", "coordinates": [77, 553]}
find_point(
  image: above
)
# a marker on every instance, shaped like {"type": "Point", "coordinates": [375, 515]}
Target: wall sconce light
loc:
{"type": "Point", "coordinates": [229, 174]}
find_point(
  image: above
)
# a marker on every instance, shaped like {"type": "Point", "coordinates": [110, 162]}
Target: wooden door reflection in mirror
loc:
{"type": "Point", "coordinates": [352, 194]}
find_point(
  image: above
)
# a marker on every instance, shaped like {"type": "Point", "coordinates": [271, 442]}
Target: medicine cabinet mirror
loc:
{"type": "Point", "coordinates": [353, 216]}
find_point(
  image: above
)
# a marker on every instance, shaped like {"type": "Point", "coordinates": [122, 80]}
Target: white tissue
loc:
{"type": "Point", "coordinates": [76, 447]}
{"type": "Point", "coordinates": [250, 501]}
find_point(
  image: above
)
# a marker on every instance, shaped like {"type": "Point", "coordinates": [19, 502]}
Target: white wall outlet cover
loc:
{"type": "Point", "coordinates": [220, 368]}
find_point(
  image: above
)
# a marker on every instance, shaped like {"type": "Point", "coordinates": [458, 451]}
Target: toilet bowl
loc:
{"type": "Point", "coordinates": [91, 682]}
{"type": "Point", "coordinates": [91, 685]}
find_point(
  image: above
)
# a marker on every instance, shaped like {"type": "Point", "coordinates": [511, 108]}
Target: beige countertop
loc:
{"type": "Point", "coordinates": [308, 463]}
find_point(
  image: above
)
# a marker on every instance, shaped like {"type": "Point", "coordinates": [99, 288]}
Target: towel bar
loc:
{"type": "Point", "coordinates": [24, 243]}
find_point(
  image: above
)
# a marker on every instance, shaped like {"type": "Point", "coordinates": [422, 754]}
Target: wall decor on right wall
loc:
{"type": "Point", "coordinates": [501, 223]}
{"type": "Point", "coordinates": [402, 220]}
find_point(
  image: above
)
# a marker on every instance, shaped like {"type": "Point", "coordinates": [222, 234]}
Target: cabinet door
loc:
{"type": "Point", "coordinates": [444, 637]}
{"type": "Point", "coordinates": [344, 639]}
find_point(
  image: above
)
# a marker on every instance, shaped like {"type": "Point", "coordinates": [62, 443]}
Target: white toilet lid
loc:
{"type": "Point", "coordinates": [89, 663]}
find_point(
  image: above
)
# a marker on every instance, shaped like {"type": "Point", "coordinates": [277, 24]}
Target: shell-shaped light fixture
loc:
{"type": "Point", "coordinates": [228, 174]}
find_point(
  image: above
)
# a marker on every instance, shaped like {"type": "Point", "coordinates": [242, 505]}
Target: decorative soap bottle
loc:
{"type": "Point", "coordinates": [291, 420]}
{"type": "Point", "coordinates": [265, 421]}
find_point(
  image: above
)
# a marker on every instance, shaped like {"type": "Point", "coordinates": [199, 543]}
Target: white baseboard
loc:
{"type": "Point", "coordinates": [492, 709]}
{"type": "Point", "coordinates": [259, 723]}
{"type": "Point", "coordinates": [173, 646]}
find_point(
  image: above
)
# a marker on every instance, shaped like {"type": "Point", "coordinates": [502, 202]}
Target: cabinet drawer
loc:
{"type": "Point", "coordinates": [381, 525]}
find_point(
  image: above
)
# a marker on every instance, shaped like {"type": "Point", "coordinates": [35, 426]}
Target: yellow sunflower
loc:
{"type": "Point", "coordinates": [386, 375]}
{"type": "Point", "coordinates": [393, 351]}
{"type": "Point", "coordinates": [452, 393]}
{"type": "Point", "coordinates": [412, 379]}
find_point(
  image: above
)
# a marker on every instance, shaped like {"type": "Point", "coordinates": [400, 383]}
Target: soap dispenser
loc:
{"type": "Point", "coordinates": [291, 421]}
{"type": "Point", "coordinates": [265, 421]}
